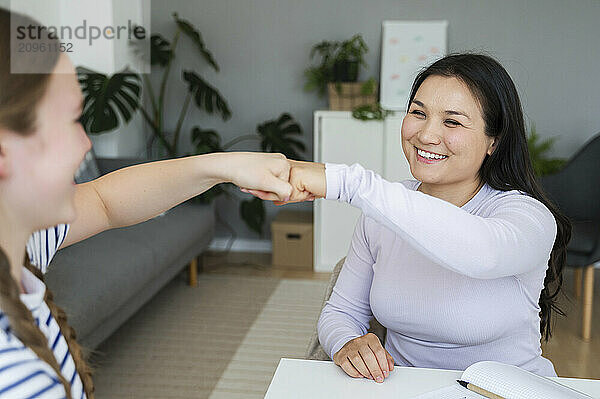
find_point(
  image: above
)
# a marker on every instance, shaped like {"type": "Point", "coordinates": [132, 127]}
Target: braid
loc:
{"type": "Point", "coordinates": [83, 369]}
{"type": "Point", "coordinates": [21, 320]}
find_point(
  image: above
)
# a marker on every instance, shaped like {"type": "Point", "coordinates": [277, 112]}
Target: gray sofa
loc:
{"type": "Point", "coordinates": [105, 279]}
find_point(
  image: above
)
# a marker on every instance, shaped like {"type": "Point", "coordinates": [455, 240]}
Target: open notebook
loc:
{"type": "Point", "coordinates": [506, 381]}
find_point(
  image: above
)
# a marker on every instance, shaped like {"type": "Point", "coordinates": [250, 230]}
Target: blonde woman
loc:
{"type": "Point", "coordinates": [41, 147]}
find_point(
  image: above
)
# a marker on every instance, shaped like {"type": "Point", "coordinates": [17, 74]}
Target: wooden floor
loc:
{"type": "Point", "coordinates": [572, 357]}
{"type": "Point", "coordinates": [253, 264]}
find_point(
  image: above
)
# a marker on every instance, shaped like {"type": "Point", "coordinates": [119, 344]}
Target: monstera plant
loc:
{"type": "Point", "coordinates": [277, 135]}
{"type": "Point", "coordinates": [112, 100]}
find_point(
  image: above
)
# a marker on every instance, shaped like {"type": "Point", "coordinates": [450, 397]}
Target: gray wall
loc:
{"type": "Point", "coordinates": [549, 48]}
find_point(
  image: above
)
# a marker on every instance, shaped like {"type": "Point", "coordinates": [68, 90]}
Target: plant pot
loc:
{"type": "Point", "coordinates": [349, 96]}
{"type": "Point", "coordinates": [345, 71]}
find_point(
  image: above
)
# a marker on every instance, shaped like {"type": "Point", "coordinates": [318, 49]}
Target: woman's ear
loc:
{"type": "Point", "coordinates": [2, 164]}
{"type": "Point", "coordinates": [3, 158]}
{"type": "Point", "coordinates": [492, 146]}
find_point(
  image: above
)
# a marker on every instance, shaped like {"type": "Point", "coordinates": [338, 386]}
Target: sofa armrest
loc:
{"type": "Point", "coordinates": [107, 165]}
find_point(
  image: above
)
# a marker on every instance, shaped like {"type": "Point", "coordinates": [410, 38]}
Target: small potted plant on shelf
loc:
{"type": "Point", "coordinates": [338, 72]}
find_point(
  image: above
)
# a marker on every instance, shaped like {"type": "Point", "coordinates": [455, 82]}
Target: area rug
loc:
{"type": "Point", "coordinates": [222, 339]}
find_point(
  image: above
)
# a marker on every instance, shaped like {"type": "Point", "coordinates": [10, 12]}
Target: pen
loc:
{"type": "Point", "coordinates": [478, 390]}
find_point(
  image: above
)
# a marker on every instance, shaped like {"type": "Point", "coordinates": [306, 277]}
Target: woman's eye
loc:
{"type": "Point", "coordinates": [417, 112]}
{"type": "Point", "coordinates": [452, 122]}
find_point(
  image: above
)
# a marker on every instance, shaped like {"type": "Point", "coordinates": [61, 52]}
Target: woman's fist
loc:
{"type": "Point", "coordinates": [261, 172]}
{"type": "Point", "coordinates": [365, 357]}
{"type": "Point", "coordinates": [307, 180]}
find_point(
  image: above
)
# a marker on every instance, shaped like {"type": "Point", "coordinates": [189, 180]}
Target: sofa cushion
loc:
{"type": "Point", "coordinates": [93, 278]}
{"type": "Point", "coordinates": [173, 233]}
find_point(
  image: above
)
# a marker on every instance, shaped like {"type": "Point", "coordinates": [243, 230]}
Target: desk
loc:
{"type": "Point", "coordinates": [317, 379]}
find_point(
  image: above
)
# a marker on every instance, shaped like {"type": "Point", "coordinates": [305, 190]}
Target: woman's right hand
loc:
{"type": "Point", "coordinates": [365, 357]}
{"type": "Point", "coordinates": [265, 173]}
{"type": "Point", "coordinates": [307, 179]}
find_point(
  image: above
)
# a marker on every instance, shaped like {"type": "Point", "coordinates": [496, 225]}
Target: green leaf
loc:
{"type": "Point", "coordinates": [105, 98]}
{"type": "Point", "coordinates": [206, 141]}
{"type": "Point", "coordinates": [209, 195]}
{"type": "Point", "coordinates": [206, 96]}
{"type": "Point", "coordinates": [196, 37]}
{"type": "Point", "coordinates": [368, 87]}
{"type": "Point", "coordinates": [542, 164]}
{"type": "Point", "coordinates": [324, 48]}
{"type": "Point", "coordinates": [316, 79]}
{"type": "Point", "coordinates": [276, 136]}
{"type": "Point", "coordinates": [160, 50]}
{"type": "Point", "coordinates": [371, 112]}
{"type": "Point", "coordinates": [253, 213]}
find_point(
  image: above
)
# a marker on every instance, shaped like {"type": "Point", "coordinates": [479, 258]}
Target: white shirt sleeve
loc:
{"type": "Point", "coordinates": [347, 313]}
{"type": "Point", "coordinates": [43, 244]}
{"type": "Point", "coordinates": [515, 238]}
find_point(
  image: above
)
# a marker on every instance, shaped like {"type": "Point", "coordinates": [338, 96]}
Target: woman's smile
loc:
{"type": "Point", "coordinates": [429, 157]}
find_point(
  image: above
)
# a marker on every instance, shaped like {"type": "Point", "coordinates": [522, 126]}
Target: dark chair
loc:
{"type": "Point", "coordinates": [576, 191]}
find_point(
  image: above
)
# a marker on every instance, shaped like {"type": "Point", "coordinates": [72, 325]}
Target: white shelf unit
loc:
{"type": "Point", "coordinates": [339, 138]}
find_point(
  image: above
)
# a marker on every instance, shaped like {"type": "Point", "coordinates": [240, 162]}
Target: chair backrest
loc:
{"type": "Point", "coordinates": [576, 188]}
{"type": "Point", "coordinates": [315, 351]}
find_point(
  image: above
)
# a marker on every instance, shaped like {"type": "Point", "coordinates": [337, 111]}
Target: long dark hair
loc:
{"type": "Point", "coordinates": [509, 166]}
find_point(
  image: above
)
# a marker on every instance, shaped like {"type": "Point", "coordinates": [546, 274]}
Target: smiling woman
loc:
{"type": "Point", "coordinates": [506, 164]}
{"type": "Point", "coordinates": [62, 370]}
{"type": "Point", "coordinates": [462, 264]}
{"type": "Point", "coordinates": [42, 144]}
{"type": "Point", "coordinates": [444, 140]}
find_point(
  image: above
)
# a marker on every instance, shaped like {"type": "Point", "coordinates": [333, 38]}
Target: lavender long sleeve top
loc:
{"type": "Point", "coordinates": [453, 286]}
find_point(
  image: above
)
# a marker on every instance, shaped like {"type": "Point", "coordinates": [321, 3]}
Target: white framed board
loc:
{"type": "Point", "coordinates": [407, 47]}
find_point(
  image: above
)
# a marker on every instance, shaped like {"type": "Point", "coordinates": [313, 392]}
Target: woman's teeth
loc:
{"type": "Point", "coordinates": [430, 155]}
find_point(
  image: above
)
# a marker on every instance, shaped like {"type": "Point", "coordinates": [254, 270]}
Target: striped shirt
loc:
{"type": "Point", "coordinates": [22, 373]}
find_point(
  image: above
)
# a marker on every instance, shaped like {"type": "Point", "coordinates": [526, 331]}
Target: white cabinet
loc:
{"type": "Point", "coordinates": [339, 138]}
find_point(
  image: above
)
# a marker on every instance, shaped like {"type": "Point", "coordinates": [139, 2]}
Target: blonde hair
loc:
{"type": "Point", "coordinates": [19, 97]}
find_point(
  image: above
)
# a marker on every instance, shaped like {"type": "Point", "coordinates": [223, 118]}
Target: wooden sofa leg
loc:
{"type": "Point", "coordinates": [193, 271]}
{"type": "Point", "coordinates": [578, 282]}
{"type": "Point", "coordinates": [588, 298]}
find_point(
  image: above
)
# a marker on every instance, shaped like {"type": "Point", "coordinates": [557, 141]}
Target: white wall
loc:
{"type": "Point", "coordinates": [548, 46]}
{"type": "Point", "coordinates": [106, 56]}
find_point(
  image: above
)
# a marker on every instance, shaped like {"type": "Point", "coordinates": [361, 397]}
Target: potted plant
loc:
{"type": "Point", "coordinates": [112, 100]}
{"type": "Point", "coordinates": [542, 163]}
{"type": "Point", "coordinates": [338, 71]}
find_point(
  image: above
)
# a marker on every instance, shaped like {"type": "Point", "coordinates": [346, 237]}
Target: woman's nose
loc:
{"type": "Point", "coordinates": [86, 139]}
{"type": "Point", "coordinates": [88, 143]}
{"type": "Point", "coordinates": [428, 134]}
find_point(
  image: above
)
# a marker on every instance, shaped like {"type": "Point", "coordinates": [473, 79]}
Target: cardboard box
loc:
{"type": "Point", "coordinates": [292, 237]}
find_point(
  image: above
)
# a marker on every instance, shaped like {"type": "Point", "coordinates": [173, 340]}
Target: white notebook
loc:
{"type": "Point", "coordinates": [510, 382]}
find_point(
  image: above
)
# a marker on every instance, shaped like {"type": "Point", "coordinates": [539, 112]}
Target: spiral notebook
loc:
{"type": "Point", "coordinates": [507, 381]}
